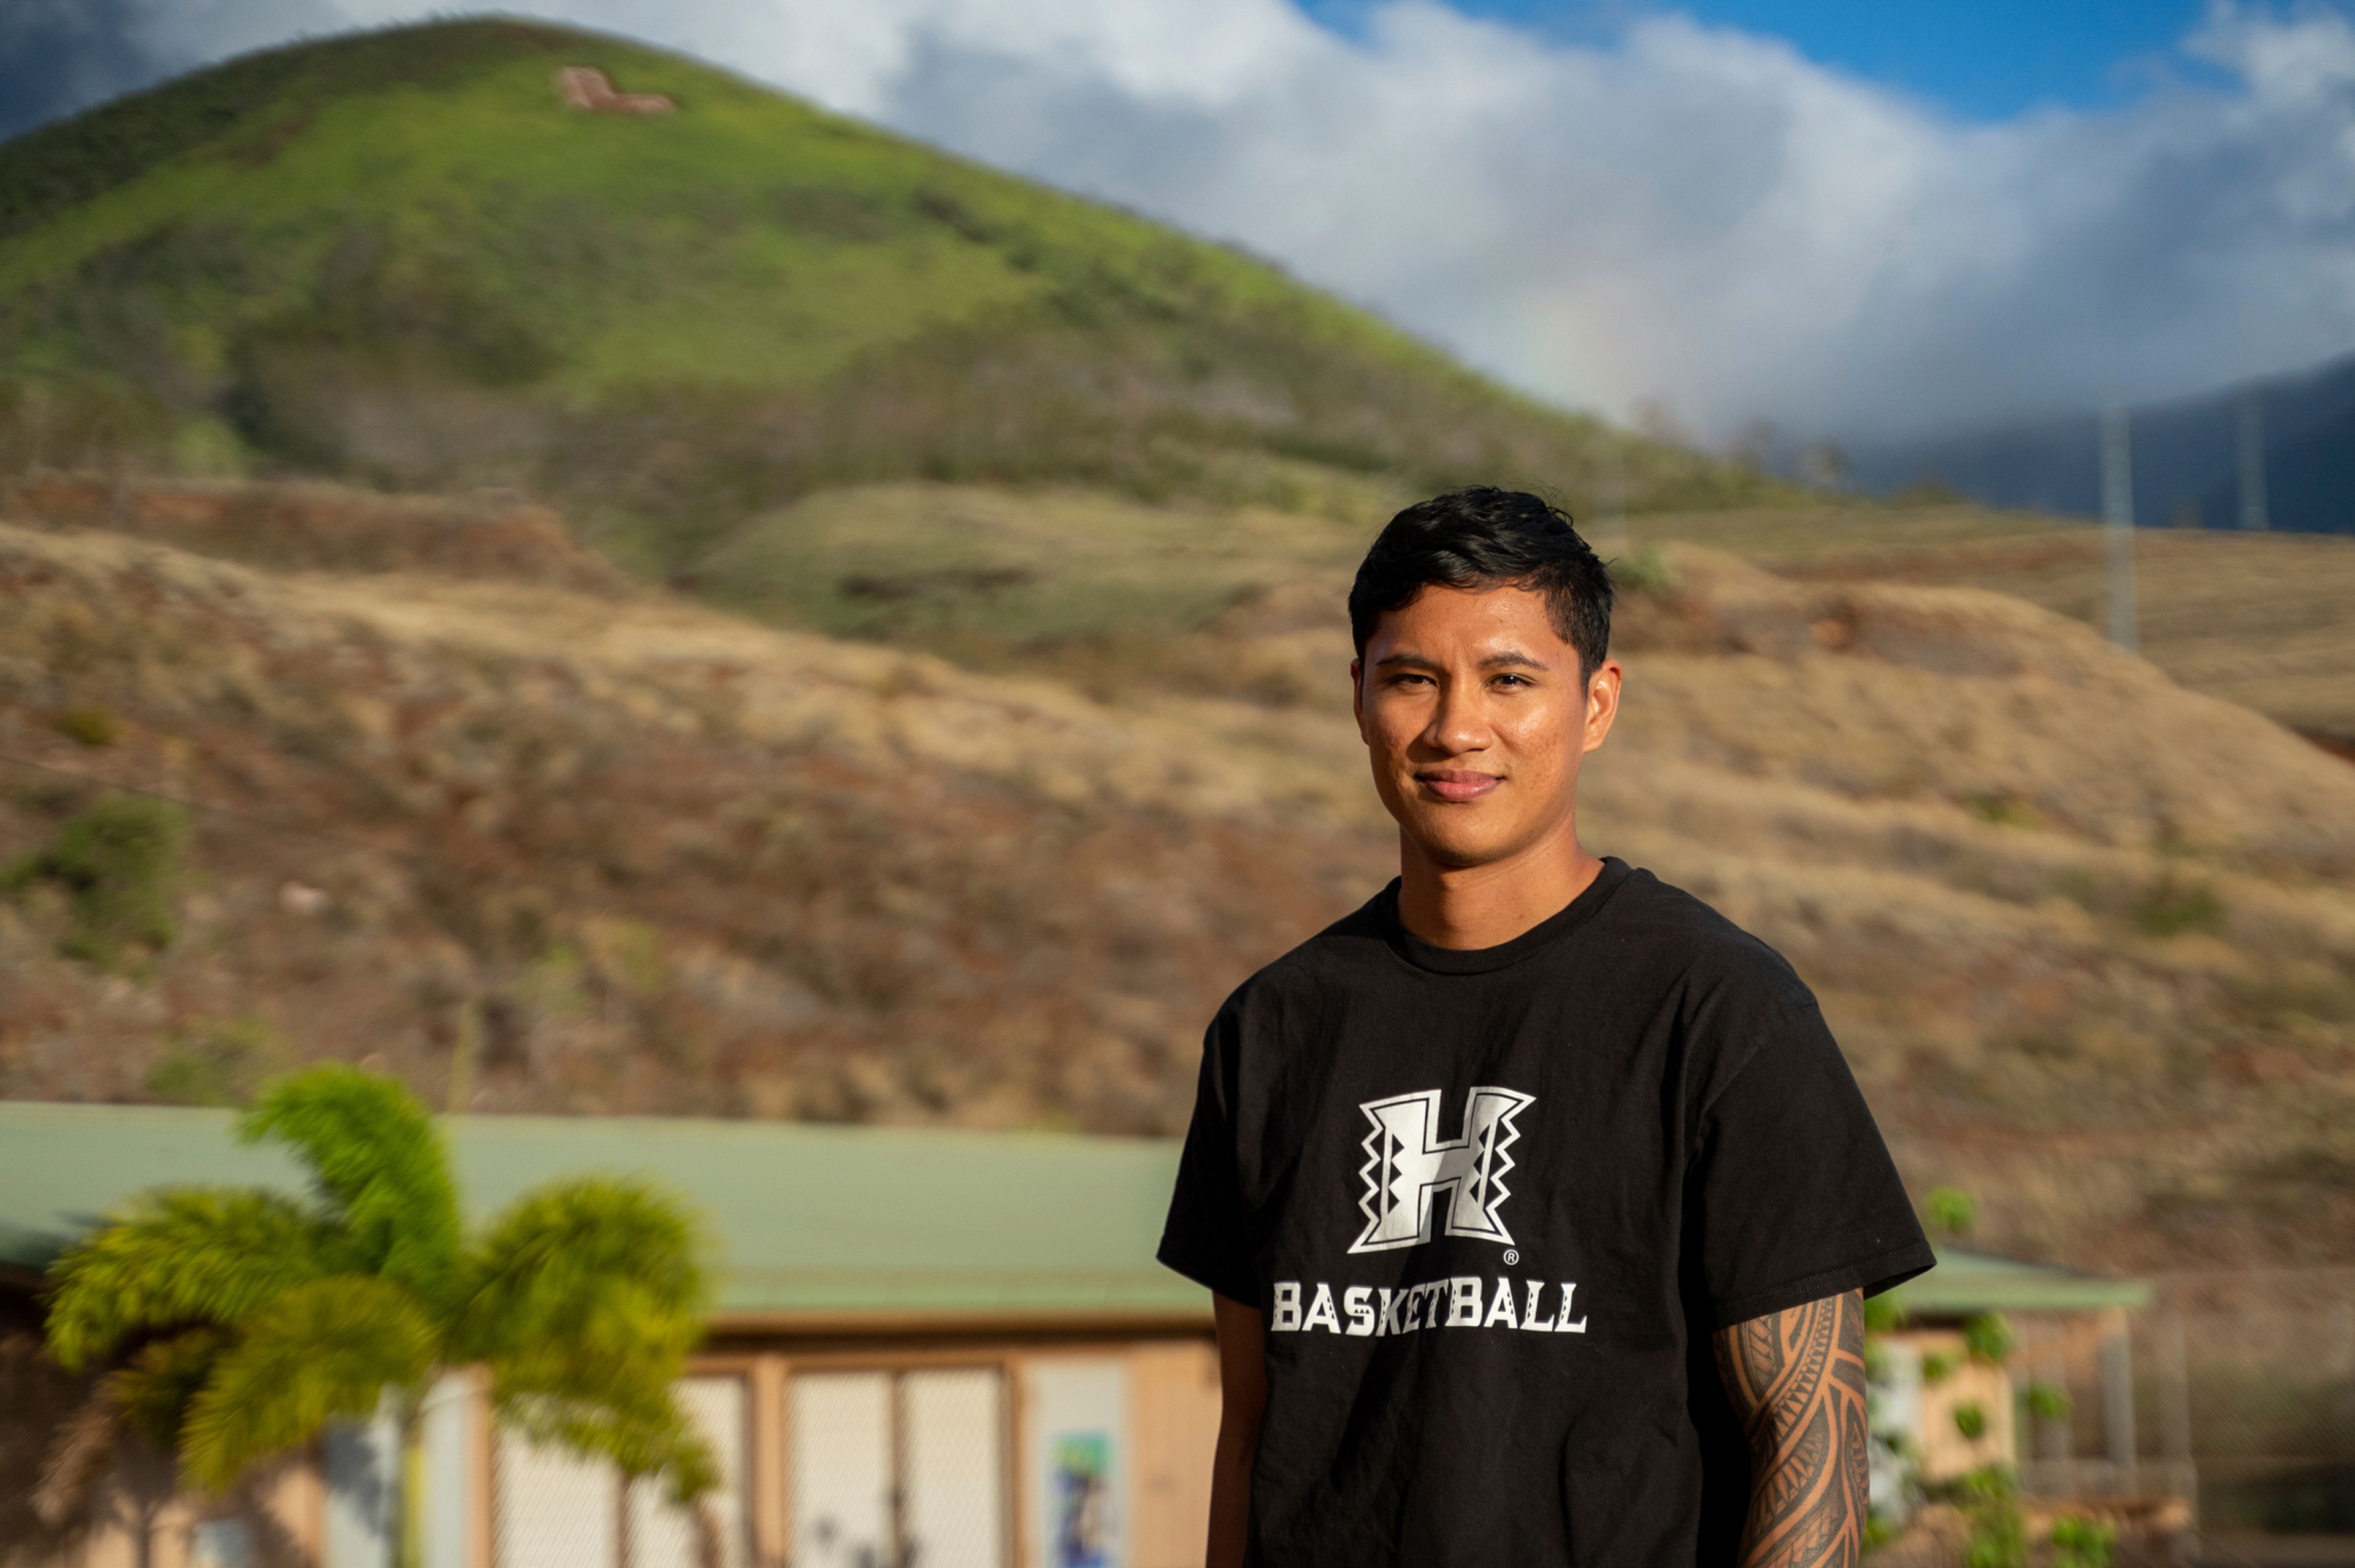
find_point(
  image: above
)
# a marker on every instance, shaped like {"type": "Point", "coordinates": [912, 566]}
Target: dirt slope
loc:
{"type": "Point", "coordinates": [2089, 939]}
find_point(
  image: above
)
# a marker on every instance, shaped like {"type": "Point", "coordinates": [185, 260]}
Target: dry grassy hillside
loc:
{"type": "Point", "coordinates": [642, 857]}
{"type": "Point", "coordinates": [2261, 619]}
{"type": "Point", "coordinates": [2089, 939]}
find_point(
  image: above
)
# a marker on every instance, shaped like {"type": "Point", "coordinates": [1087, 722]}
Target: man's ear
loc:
{"type": "Point", "coordinates": [1602, 703]}
{"type": "Point", "coordinates": [1357, 694]}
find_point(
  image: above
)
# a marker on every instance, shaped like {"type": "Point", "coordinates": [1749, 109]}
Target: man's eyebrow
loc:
{"type": "Point", "coordinates": [1503, 659]}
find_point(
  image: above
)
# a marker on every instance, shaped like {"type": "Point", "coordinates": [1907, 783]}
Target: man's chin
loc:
{"type": "Point", "coordinates": [1458, 845]}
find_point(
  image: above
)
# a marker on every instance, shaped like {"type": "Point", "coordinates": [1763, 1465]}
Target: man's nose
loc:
{"type": "Point", "coordinates": [1459, 723]}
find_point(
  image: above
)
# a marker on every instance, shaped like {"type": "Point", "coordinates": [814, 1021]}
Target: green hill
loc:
{"type": "Point", "coordinates": [398, 258]}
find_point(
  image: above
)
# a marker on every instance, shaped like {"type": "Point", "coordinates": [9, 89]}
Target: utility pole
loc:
{"type": "Point", "coordinates": [2253, 461]}
{"type": "Point", "coordinates": [2118, 523]}
{"type": "Point", "coordinates": [1609, 539]}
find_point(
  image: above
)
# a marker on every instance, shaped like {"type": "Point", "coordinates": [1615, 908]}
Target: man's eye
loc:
{"type": "Point", "coordinates": [1513, 680]}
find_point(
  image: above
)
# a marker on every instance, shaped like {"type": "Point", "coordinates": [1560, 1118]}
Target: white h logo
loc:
{"type": "Point", "coordinates": [1409, 1173]}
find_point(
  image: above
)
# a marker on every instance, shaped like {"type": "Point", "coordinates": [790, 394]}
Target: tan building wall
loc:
{"type": "Point", "coordinates": [1944, 1452]}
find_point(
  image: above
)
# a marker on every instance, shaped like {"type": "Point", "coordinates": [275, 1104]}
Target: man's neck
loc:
{"type": "Point", "coordinates": [1481, 906]}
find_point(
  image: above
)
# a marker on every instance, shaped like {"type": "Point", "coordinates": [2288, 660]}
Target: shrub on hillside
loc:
{"type": "Point", "coordinates": [116, 862]}
{"type": "Point", "coordinates": [217, 1062]}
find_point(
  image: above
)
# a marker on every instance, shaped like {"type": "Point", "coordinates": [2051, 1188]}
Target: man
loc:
{"type": "Point", "coordinates": [1538, 1202]}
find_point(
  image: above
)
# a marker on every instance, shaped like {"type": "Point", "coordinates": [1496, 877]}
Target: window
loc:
{"type": "Point", "coordinates": [891, 1469]}
{"type": "Point", "coordinates": [555, 1510]}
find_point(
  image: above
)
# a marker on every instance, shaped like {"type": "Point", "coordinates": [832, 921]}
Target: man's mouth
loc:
{"type": "Point", "coordinates": [1457, 783]}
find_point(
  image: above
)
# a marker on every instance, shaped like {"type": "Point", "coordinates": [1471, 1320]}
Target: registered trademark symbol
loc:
{"type": "Point", "coordinates": [1512, 1257]}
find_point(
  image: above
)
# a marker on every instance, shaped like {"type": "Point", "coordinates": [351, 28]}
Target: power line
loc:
{"type": "Point", "coordinates": [2253, 517]}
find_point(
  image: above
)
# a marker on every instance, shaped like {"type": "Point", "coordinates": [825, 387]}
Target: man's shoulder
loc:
{"type": "Point", "coordinates": [1681, 941]}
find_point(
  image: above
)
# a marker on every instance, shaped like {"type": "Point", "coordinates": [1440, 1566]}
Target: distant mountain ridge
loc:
{"type": "Point", "coordinates": [400, 257]}
{"type": "Point", "coordinates": [2186, 457]}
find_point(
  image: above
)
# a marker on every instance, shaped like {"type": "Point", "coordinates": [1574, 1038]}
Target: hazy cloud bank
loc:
{"type": "Point", "coordinates": [1692, 213]}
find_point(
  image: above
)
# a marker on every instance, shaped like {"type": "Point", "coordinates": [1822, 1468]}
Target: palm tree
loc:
{"type": "Point", "coordinates": [232, 1324]}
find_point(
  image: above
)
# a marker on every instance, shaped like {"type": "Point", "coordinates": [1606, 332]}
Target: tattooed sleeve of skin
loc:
{"type": "Point", "coordinates": [1797, 1379]}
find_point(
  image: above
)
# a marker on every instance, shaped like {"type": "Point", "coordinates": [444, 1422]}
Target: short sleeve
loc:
{"type": "Point", "coordinates": [1206, 1237]}
{"type": "Point", "coordinates": [1792, 1195]}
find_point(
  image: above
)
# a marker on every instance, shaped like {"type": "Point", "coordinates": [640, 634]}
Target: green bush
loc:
{"type": "Point", "coordinates": [1936, 1367]}
{"type": "Point", "coordinates": [2080, 1542]}
{"type": "Point", "coordinates": [2046, 1402]}
{"type": "Point", "coordinates": [90, 726]}
{"type": "Point", "coordinates": [1970, 1420]}
{"type": "Point", "coordinates": [1646, 570]}
{"type": "Point", "coordinates": [117, 862]}
{"type": "Point", "coordinates": [2171, 908]}
{"type": "Point", "coordinates": [1988, 1337]}
{"type": "Point", "coordinates": [221, 1062]}
{"type": "Point", "coordinates": [2003, 810]}
{"type": "Point", "coordinates": [1951, 1211]}
{"type": "Point", "coordinates": [1989, 1499]}
{"type": "Point", "coordinates": [1884, 1314]}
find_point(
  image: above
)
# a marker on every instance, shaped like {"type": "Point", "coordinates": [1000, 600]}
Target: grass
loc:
{"type": "Point", "coordinates": [394, 257]}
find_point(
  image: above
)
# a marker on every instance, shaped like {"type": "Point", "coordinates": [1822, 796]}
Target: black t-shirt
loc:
{"type": "Point", "coordinates": [1492, 1204]}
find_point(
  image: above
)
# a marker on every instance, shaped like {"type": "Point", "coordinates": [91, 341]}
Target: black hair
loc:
{"type": "Point", "coordinates": [1480, 537]}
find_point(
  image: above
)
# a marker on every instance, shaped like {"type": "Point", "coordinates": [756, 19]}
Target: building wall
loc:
{"type": "Point", "coordinates": [1931, 1404]}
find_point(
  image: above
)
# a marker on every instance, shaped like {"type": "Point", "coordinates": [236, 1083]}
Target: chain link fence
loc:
{"type": "Point", "coordinates": [552, 1508]}
{"type": "Point", "coordinates": [2264, 1363]}
{"type": "Point", "coordinates": [2215, 1426]}
{"type": "Point", "coordinates": [896, 1469]}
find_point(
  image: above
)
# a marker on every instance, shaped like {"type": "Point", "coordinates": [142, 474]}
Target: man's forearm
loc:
{"type": "Point", "coordinates": [1797, 1379]}
{"type": "Point", "coordinates": [1230, 1476]}
{"type": "Point", "coordinates": [1242, 1396]}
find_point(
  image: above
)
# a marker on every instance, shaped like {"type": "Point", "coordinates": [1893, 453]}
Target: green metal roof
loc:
{"type": "Point", "coordinates": [1965, 1284]}
{"type": "Point", "coordinates": [811, 1220]}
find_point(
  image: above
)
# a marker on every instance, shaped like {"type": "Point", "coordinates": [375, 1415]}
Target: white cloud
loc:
{"type": "Point", "coordinates": [1688, 212]}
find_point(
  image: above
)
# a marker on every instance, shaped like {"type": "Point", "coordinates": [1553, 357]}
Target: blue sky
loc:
{"type": "Point", "coordinates": [1977, 60]}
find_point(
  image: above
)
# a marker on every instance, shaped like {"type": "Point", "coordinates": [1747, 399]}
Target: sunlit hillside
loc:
{"type": "Point", "coordinates": [399, 258]}
{"type": "Point", "coordinates": [2261, 619]}
{"type": "Point", "coordinates": [536, 839]}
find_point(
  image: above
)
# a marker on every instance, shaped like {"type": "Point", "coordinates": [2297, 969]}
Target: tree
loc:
{"type": "Point", "coordinates": [232, 1324]}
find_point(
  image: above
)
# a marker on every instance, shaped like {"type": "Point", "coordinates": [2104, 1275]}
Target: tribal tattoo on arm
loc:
{"type": "Point", "coordinates": [1797, 1379]}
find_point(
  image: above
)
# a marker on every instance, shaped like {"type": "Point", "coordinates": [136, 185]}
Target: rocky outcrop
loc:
{"type": "Point", "coordinates": [584, 87]}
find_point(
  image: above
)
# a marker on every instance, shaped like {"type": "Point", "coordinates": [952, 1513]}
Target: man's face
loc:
{"type": "Point", "coordinates": [1474, 719]}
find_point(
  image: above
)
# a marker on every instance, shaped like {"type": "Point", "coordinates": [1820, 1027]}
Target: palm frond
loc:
{"type": "Point", "coordinates": [326, 1348]}
{"type": "Point", "coordinates": [377, 1155]}
{"type": "Point", "coordinates": [609, 1267]}
{"type": "Point", "coordinates": [584, 1297]}
{"type": "Point", "coordinates": [650, 1438]}
{"type": "Point", "coordinates": [176, 1257]}
{"type": "Point", "coordinates": [156, 1386]}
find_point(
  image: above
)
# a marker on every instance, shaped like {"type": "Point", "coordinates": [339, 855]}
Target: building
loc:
{"type": "Point", "coordinates": [930, 1347]}
{"type": "Point", "coordinates": [2071, 1333]}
